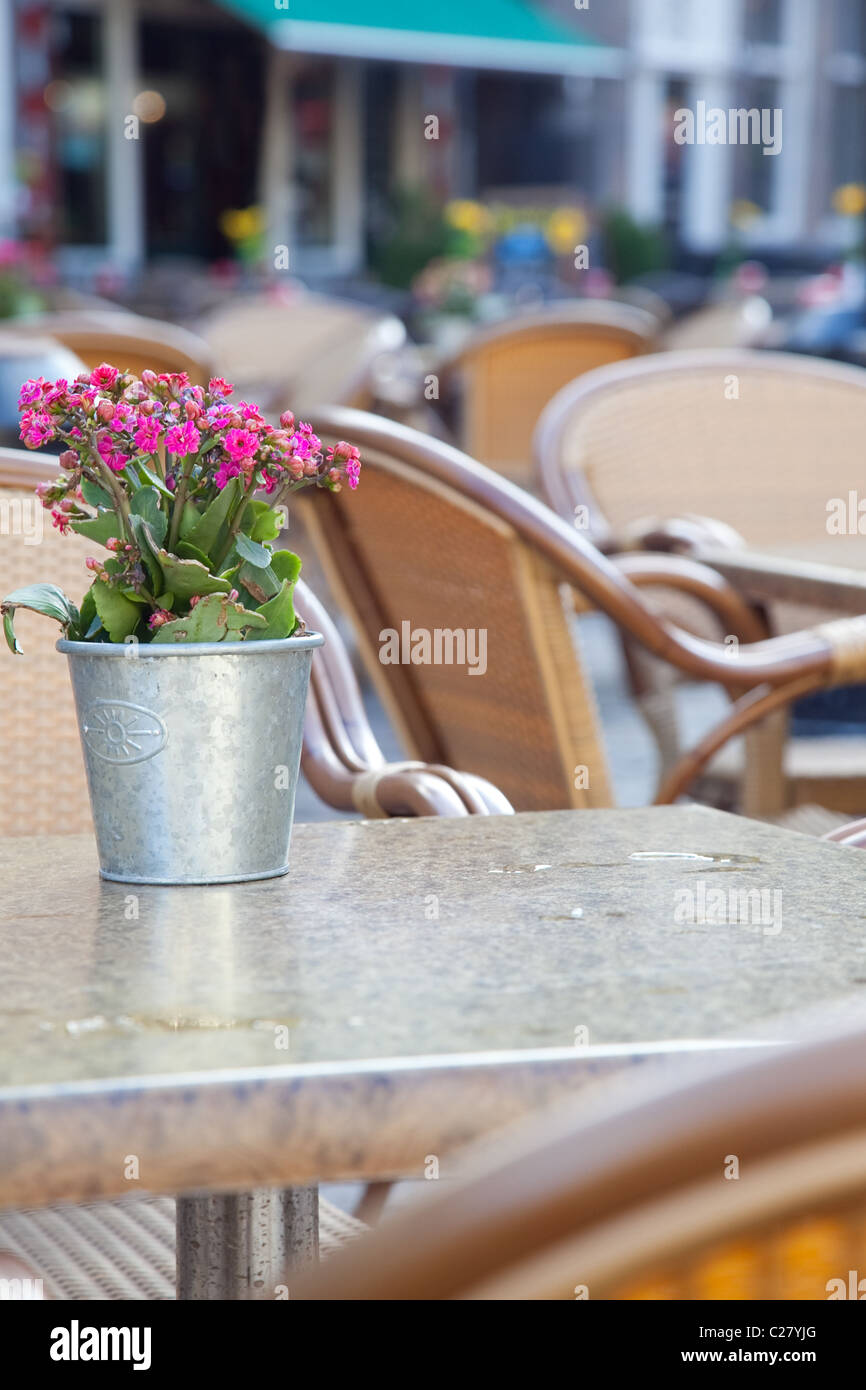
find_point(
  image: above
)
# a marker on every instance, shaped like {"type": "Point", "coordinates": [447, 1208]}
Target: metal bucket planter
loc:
{"type": "Point", "coordinates": [192, 753]}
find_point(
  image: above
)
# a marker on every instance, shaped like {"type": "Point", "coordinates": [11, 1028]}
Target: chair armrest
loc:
{"type": "Point", "coordinates": [736, 615]}
{"type": "Point", "coordinates": [675, 534]}
{"type": "Point", "coordinates": [852, 834]}
{"type": "Point", "coordinates": [341, 757]}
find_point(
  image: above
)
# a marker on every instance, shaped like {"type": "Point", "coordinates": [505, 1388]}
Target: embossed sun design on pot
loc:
{"type": "Point", "coordinates": [119, 732]}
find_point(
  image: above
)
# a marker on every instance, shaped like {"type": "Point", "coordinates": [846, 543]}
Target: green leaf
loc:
{"type": "Point", "coordinates": [145, 503]}
{"type": "Point", "coordinates": [286, 565]}
{"type": "Point", "coordinates": [280, 614]}
{"type": "Point", "coordinates": [206, 532]}
{"type": "Point", "coordinates": [95, 495]}
{"type": "Point", "coordinates": [9, 632]}
{"type": "Point", "coordinates": [88, 614]}
{"type": "Point", "coordinates": [149, 551]}
{"type": "Point", "coordinates": [188, 577]}
{"type": "Point", "coordinates": [119, 615]}
{"type": "Point", "coordinates": [39, 598]}
{"type": "Point", "coordinates": [190, 518]}
{"type": "Point", "coordinates": [187, 551]}
{"type": "Point", "coordinates": [260, 522]}
{"type": "Point", "coordinates": [214, 619]}
{"type": "Point", "coordinates": [259, 584]}
{"type": "Point", "coordinates": [100, 528]}
{"type": "Point", "coordinates": [166, 600]}
{"type": "Point", "coordinates": [252, 552]}
{"type": "Point", "coordinates": [154, 479]}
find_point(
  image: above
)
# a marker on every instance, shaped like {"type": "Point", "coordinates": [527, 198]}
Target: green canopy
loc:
{"type": "Point", "coordinates": [503, 34]}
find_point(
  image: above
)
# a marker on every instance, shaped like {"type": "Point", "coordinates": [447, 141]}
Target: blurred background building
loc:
{"type": "Point", "coordinates": [135, 132]}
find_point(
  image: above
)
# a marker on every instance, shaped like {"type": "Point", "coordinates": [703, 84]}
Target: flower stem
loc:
{"type": "Point", "coordinates": [180, 502]}
{"type": "Point", "coordinates": [108, 478]}
{"type": "Point", "coordinates": [235, 524]}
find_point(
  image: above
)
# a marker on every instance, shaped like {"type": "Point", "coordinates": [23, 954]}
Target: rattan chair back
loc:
{"type": "Point", "coordinates": [505, 375]}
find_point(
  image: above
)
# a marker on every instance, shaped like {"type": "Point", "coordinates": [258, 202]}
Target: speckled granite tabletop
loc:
{"type": "Point", "coordinates": [407, 981]}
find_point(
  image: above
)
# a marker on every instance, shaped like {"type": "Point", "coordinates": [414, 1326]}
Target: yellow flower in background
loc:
{"type": "Point", "coordinates": [240, 224]}
{"type": "Point", "coordinates": [850, 199]}
{"type": "Point", "coordinates": [566, 228]}
{"type": "Point", "coordinates": [743, 212]}
{"type": "Point", "coordinates": [465, 216]}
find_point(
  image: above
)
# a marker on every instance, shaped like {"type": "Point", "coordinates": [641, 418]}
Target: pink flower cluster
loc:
{"type": "Point", "coordinates": [111, 419]}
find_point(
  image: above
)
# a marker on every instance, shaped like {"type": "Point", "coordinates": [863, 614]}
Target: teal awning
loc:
{"type": "Point", "coordinates": [503, 34]}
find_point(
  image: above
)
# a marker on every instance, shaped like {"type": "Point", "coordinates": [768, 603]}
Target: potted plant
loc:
{"type": "Point", "coordinates": [189, 666]}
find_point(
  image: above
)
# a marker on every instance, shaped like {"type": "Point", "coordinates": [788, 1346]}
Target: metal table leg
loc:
{"type": "Point", "coordinates": [241, 1245]}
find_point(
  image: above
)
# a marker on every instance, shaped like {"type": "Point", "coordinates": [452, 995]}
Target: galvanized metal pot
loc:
{"type": "Point", "coordinates": [192, 753]}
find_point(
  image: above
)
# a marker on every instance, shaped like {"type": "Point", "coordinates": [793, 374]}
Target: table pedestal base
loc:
{"type": "Point", "coordinates": [241, 1245]}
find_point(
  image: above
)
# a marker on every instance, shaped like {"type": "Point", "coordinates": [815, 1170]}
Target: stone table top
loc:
{"type": "Point", "coordinates": [408, 984]}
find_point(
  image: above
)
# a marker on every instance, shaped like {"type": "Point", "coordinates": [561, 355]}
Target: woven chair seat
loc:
{"type": "Point", "coordinates": [122, 1249]}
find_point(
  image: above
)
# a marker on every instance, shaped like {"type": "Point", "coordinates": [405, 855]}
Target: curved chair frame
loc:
{"type": "Point", "coordinates": [601, 1193]}
{"type": "Point", "coordinates": [127, 340]}
{"type": "Point", "coordinates": [518, 364]}
{"type": "Point", "coordinates": [766, 674]}
{"type": "Point", "coordinates": [566, 487]}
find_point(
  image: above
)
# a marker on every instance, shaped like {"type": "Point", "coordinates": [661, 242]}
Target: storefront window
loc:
{"type": "Point", "coordinates": [314, 122]}
{"type": "Point", "coordinates": [76, 97]}
{"type": "Point", "coordinates": [849, 119]}
{"type": "Point", "coordinates": [756, 173]}
{"type": "Point", "coordinates": [763, 21]}
{"type": "Point", "coordinates": [850, 27]}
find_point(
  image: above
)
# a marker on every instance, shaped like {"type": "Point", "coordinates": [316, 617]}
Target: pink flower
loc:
{"type": "Point", "coordinates": [174, 380]}
{"type": "Point", "coordinates": [183, 439]}
{"type": "Point", "coordinates": [147, 435]}
{"type": "Point", "coordinates": [269, 482]}
{"type": "Point", "coordinates": [60, 520]}
{"type": "Point", "coordinates": [349, 457]}
{"type": "Point", "coordinates": [304, 443]}
{"type": "Point", "coordinates": [57, 393]}
{"type": "Point", "coordinates": [159, 619]}
{"type": "Point", "coordinates": [240, 445]}
{"type": "Point", "coordinates": [111, 457]}
{"type": "Point", "coordinates": [68, 459]}
{"type": "Point", "coordinates": [226, 471]}
{"type": "Point", "coordinates": [31, 391]}
{"type": "Point", "coordinates": [36, 428]}
{"type": "Point", "coordinates": [218, 386]}
{"type": "Point", "coordinates": [287, 420]}
{"type": "Point", "coordinates": [104, 376]}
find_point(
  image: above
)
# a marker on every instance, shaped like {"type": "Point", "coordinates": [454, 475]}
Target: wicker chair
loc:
{"type": "Point", "coordinates": [684, 449]}
{"type": "Point", "coordinates": [126, 340]}
{"type": "Point", "coordinates": [438, 543]}
{"type": "Point", "coordinates": [622, 1195]}
{"type": "Point", "coordinates": [299, 351]}
{"type": "Point", "coordinates": [505, 375]}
